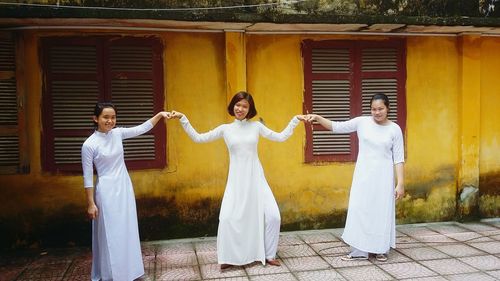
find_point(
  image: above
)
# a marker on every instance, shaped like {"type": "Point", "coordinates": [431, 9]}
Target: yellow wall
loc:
{"type": "Point", "coordinates": [183, 199]}
{"type": "Point", "coordinates": [489, 163]}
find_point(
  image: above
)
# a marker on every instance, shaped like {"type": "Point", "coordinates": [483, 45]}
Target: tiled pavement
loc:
{"type": "Point", "coordinates": [433, 251]}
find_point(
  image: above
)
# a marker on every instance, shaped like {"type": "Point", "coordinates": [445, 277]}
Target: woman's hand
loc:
{"type": "Point", "coordinates": [176, 114]}
{"type": "Point", "coordinates": [301, 117]}
{"type": "Point", "coordinates": [311, 117]}
{"type": "Point", "coordinates": [92, 211]}
{"type": "Point", "coordinates": [166, 114]}
{"type": "Point", "coordinates": [399, 192]}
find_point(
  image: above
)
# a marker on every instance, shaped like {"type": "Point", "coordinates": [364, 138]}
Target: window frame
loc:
{"type": "Point", "coordinates": [104, 76]}
{"type": "Point", "coordinates": [355, 77]}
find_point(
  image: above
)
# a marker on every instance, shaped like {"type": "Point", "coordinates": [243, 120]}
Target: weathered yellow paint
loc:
{"type": "Point", "coordinates": [236, 67]}
{"type": "Point", "coordinates": [448, 81]}
{"type": "Point", "coordinates": [469, 108]}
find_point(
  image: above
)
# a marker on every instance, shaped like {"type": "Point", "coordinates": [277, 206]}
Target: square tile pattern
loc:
{"type": "Point", "coordinates": [424, 252]}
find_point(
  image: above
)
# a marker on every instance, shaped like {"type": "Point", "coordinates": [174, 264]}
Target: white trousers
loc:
{"type": "Point", "coordinates": [272, 221]}
{"type": "Point", "coordinates": [359, 253]}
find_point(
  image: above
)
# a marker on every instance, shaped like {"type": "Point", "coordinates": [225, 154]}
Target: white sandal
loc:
{"type": "Point", "coordinates": [381, 257]}
{"type": "Point", "coordinates": [351, 258]}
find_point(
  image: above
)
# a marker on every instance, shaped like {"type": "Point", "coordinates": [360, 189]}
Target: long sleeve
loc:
{"type": "Point", "coordinates": [345, 127]}
{"type": "Point", "coordinates": [283, 135]}
{"type": "Point", "coordinates": [203, 137]}
{"type": "Point", "coordinates": [398, 151]}
{"type": "Point", "coordinates": [136, 131]}
{"type": "Point", "coordinates": [87, 165]}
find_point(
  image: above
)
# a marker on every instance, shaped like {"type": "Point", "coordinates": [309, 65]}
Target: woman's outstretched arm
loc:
{"type": "Point", "coordinates": [193, 134]}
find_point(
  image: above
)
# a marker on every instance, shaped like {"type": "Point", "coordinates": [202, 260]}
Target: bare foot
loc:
{"type": "Point", "coordinates": [273, 262]}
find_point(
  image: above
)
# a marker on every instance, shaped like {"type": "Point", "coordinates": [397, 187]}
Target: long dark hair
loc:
{"type": "Point", "coordinates": [252, 111]}
{"type": "Point", "coordinates": [99, 107]}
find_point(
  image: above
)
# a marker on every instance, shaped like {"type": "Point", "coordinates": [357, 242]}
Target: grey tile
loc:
{"type": "Point", "coordinates": [177, 260]}
{"type": "Point", "coordinates": [425, 253]}
{"type": "Point", "coordinates": [407, 270]}
{"type": "Point", "coordinates": [301, 250]}
{"type": "Point", "coordinates": [211, 271]}
{"type": "Point", "coordinates": [274, 277]}
{"type": "Point", "coordinates": [448, 266]}
{"type": "Point", "coordinates": [483, 262]}
{"type": "Point", "coordinates": [478, 226]}
{"type": "Point", "coordinates": [489, 247]}
{"type": "Point", "coordinates": [178, 273]}
{"type": "Point", "coordinates": [476, 276]}
{"type": "Point", "coordinates": [257, 268]}
{"type": "Point", "coordinates": [328, 274]}
{"type": "Point", "coordinates": [362, 273]}
{"type": "Point", "coordinates": [336, 262]}
{"type": "Point", "coordinates": [305, 263]}
{"type": "Point", "coordinates": [171, 248]}
{"type": "Point", "coordinates": [207, 257]}
{"type": "Point", "coordinates": [290, 239]}
{"type": "Point", "coordinates": [320, 237]}
{"type": "Point", "coordinates": [459, 250]}
{"type": "Point", "coordinates": [207, 246]}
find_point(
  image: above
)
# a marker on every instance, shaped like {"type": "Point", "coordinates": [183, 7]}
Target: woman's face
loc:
{"type": "Point", "coordinates": [241, 109]}
{"type": "Point", "coordinates": [106, 120]}
{"type": "Point", "coordinates": [379, 111]}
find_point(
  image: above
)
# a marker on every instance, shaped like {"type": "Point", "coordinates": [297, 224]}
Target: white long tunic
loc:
{"type": "Point", "coordinates": [370, 224]}
{"type": "Point", "coordinates": [116, 249]}
{"type": "Point", "coordinates": [240, 237]}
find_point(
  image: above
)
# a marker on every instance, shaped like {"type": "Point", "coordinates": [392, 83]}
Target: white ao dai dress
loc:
{"type": "Point", "coordinates": [370, 224]}
{"type": "Point", "coordinates": [249, 219]}
{"type": "Point", "coordinates": [116, 249]}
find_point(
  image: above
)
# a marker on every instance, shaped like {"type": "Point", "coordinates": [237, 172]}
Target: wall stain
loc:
{"type": "Point", "coordinates": [489, 183]}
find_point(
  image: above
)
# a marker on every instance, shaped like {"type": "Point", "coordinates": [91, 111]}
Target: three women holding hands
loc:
{"type": "Point", "coordinates": [249, 219]}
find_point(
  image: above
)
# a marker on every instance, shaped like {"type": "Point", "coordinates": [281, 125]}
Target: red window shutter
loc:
{"type": "Point", "coordinates": [340, 78]}
{"type": "Point", "coordinates": [81, 71]}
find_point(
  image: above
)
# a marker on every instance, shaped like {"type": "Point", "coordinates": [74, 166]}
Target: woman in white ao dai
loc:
{"type": "Point", "coordinates": [116, 249]}
{"type": "Point", "coordinates": [370, 224]}
{"type": "Point", "coordinates": [249, 219]}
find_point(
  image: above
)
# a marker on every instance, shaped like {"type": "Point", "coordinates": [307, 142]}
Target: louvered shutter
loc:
{"type": "Point", "coordinates": [340, 78]}
{"type": "Point", "coordinates": [81, 71]}
{"type": "Point", "coordinates": [137, 91]}
{"type": "Point", "coordinates": [9, 127]}
{"type": "Point", "coordinates": [374, 62]}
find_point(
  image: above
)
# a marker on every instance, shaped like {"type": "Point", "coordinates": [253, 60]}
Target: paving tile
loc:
{"type": "Point", "coordinates": [448, 228]}
{"type": "Point", "coordinates": [478, 226]}
{"type": "Point", "coordinates": [408, 242]}
{"type": "Point", "coordinates": [206, 246]}
{"type": "Point", "coordinates": [489, 247]}
{"type": "Point", "coordinates": [459, 250]}
{"type": "Point", "coordinates": [494, 273]}
{"type": "Point", "coordinates": [211, 271]}
{"type": "Point", "coordinates": [178, 273]}
{"type": "Point", "coordinates": [80, 267]}
{"type": "Point", "coordinates": [435, 239]}
{"type": "Point", "coordinates": [175, 248]}
{"type": "Point", "coordinates": [177, 260]}
{"type": "Point", "coordinates": [336, 262]}
{"type": "Point", "coordinates": [393, 257]}
{"type": "Point", "coordinates": [425, 253]}
{"type": "Point", "coordinates": [407, 270]}
{"type": "Point", "coordinates": [290, 239]}
{"type": "Point", "coordinates": [448, 266]}
{"type": "Point", "coordinates": [417, 231]}
{"type": "Point", "coordinates": [207, 257]}
{"type": "Point", "coordinates": [50, 271]}
{"type": "Point", "coordinates": [331, 249]}
{"type": "Point", "coordinates": [362, 273]}
{"type": "Point", "coordinates": [477, 276]}
{"type": "Point", "coordinates": [11, 272]}
{"type": "Point", "coordinates": [257, 268]}
{"type": "Point", "coordinates": [329, 274]}
{"type": "Point", "coordinates": [431, 278]}
{"type": "Point", "coordinates": [301, 250]}
{"type": "Point", "coordinates": [239, 278]}
{"type": "Point", "coordinates": [320, 237]}
{"type": "Point", "coordinates": [306, 263]}
{"type": "Point", "coordinates": [466, 236]}
{"type": "Point", "coordinates": [483, 262]}
{"type": "Point", "coordinates": [274, 277]}
{"type": "Point", "coordinates": [149, 249]}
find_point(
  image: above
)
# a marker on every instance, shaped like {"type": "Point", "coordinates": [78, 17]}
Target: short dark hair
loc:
{"type": "Point", "coordinates": [380, 96]}
{"type": "Point", "coordinates": [252, 111]}
{"type": "Point", "coordinates": [100, 106]}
